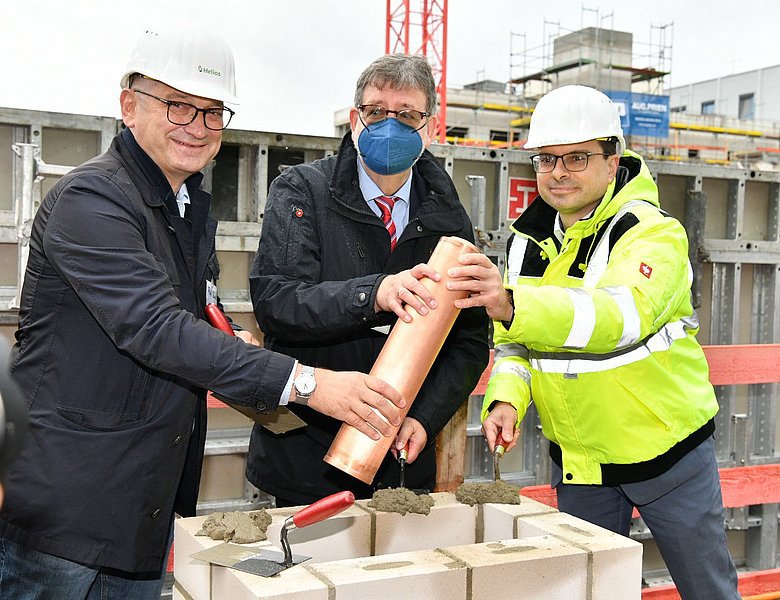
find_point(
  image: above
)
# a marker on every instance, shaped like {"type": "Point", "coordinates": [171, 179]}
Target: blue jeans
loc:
{"type": "Point", "coordinates": [684, 511]}
{"type": "Point", "coordinates": [27, 574]}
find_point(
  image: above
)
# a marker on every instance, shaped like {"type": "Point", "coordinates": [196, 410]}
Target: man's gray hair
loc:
{"type": "Point", "coordinates": [399, 71]}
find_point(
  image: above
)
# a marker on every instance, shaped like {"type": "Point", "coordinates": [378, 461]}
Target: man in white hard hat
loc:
{"type": "Point", "coordinates": [594, 323]}
{"type": "Point", "coordinates": [113, 351]}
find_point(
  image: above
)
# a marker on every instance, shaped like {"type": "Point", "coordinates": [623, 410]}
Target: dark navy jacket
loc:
{"type": "Point", "coordinates": [115, 359]}
{"type": "Point", "coordinates": [322, 256]}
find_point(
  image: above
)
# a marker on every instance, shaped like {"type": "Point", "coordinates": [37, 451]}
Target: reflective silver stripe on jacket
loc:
{"type": "Point", "coordinates": [514, 262]}
{"type": "Point", "coordinates": [513, 369]}
{"type": "Point", "coordinates": [600, 256]}
{"type": "Point", "coordinates": [583, 319]}
{"type": "Point", "coordinates": [624, 299]}
{"type": "Point", "coordinates": [508, 366]}
{"type": "Point", "coordinates": [584, 316]}
{"type": "Point", "coordinates": [504, 350]}
{"type": "Point", "coordinates": [573, 363]}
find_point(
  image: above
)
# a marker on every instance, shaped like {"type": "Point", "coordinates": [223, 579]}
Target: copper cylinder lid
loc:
{"type": "Point", "coordinates": [404, 362]}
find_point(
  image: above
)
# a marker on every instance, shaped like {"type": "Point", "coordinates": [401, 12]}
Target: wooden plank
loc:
{"type": "Point", "coordinates": [740, 486]}
{"type": "Point", "coordinates": [662, 592]}
{"type": "Point", "coordinates": [759, 582]}
{"type": "Point", "coordinates": [745, 486]}
{"type": "Point", "coordinates": [541, 493]}
{"type": "Point", "coordinates": [483, 380]}
{"type": "Point", "coordinates": [451, 452]}
{"type": "Point", "coordinates": [743, 363]}
{"type": "Point", "coordinates": [547, 495]}
{"type": "Point", "coordinates": [766, 583]}
{"type": "Point", "coordinates": [212, 402]}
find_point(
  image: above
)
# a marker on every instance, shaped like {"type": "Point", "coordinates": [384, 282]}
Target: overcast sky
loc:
{"type": "Point", "coordinates": [297, 60]}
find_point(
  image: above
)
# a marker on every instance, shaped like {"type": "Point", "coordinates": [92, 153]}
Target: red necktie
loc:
{"type": "Point", "coordinates": [385, 204]}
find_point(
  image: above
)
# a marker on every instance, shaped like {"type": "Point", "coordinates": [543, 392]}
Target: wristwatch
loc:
{"type": "Point", "coordinates": [304, 385]}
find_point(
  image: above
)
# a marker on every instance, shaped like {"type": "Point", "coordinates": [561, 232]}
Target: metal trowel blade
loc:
{"type": "Point", "coordinates": [250, 560]}
{"type": "Point", "coordinates": [268, 563]}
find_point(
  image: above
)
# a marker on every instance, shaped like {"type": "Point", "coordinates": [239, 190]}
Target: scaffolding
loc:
{"type": "Point", "coordinates": [595, 55]}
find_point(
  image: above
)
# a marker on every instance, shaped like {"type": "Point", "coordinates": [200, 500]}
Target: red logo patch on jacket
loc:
{"type": "Point", "coordinates": [645, 270]}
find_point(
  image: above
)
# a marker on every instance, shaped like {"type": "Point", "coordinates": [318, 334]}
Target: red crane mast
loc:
{"type": "Point", "coordinates": [432, 23]}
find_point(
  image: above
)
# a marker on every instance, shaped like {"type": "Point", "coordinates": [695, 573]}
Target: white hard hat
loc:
{"type": "Point", "coordinates": [192, 60]}
{"type": "Point", "coordinates": [572, 114]}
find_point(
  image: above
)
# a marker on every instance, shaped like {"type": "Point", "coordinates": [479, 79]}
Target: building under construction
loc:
{"type": "Point", "coordinates": [715, 173]}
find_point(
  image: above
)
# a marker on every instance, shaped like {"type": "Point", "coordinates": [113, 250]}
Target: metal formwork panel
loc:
{"type": "Point", "coordinates": [729, 265]}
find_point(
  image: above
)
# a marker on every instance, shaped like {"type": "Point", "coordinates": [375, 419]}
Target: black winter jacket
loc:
{"type": "Point", "coordinates": [114, 357]}
{"type": "Point", "coordinates": [321, 258]}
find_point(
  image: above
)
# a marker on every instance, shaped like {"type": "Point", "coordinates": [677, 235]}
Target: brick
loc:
{"type": "Point", "coordinates": [449, 523]}
{"type": "Point", "coordinates": [499, 520]}
{"type": "Point", "coordinates": [528, 569]}
{"type": "Point", "coordinates": [193, 576]}
{"type": "Point", "coordinates": [345, 535]}
{"type": "Point", "coordinates": [176, 593]}
{"type": "Point", "coordinates": [425, 574]}
{"type": "Point", "coordinates": [616, 561]}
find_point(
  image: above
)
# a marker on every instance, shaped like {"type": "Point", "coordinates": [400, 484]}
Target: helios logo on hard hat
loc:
{"type": "Point", "coordinates": [209, 71]}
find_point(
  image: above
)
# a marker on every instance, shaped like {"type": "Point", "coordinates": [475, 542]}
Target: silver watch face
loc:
{"type": "Point", "coordinates": [305, 384]}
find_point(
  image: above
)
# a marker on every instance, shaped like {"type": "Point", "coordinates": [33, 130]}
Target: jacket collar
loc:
{"type": "Point", "coordinates": [632, 181]}
{"type": "Point", "coordinates": [431, 198]}
{"type": "Point", "coordinates": [127, 147]}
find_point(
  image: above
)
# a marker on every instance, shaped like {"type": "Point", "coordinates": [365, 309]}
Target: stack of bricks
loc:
{"type": "Point", "coordinates": [457, 552]}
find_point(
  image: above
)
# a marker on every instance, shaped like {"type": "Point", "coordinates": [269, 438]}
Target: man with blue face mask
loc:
{"type": "Point", "coordinates": [341, 257]}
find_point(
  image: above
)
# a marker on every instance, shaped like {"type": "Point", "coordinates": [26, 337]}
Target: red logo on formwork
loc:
{"type": "Point", "coordinates": [645, 270]}
{"type": "Point", "coordinates": [521, 193]}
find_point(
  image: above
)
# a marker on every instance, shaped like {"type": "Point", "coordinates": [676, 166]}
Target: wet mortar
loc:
{"type": "Point", "coordinates": [237, 527]}
{"type": "Point", "coordinates": [497, 492]}
{"type": "Point", "coordinates": [401, 500]}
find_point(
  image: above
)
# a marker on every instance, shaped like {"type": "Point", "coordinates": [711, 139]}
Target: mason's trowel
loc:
{"type": "Point", "coordinates": [269, 562]}
{"type": "Point", "coordinates": [277, 421]}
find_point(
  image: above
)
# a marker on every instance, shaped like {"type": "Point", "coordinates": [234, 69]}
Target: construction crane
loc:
{"type": "Point", "coordinates": [431, 20]}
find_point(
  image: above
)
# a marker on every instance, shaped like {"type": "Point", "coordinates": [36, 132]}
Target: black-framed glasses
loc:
{"type": "Point", "coordinates": [183, 113]}
{"type": "Point", "coordinates": [572, 161]}
{"type": "Point", "coordinates": [371, 114]}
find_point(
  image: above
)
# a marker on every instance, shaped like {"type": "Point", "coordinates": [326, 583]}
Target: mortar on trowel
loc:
{"type": "Point", "coordinates": [268, 563]}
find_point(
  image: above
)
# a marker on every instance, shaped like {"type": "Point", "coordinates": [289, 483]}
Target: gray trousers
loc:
{"type": "Point", "coordinates": [682, 508]}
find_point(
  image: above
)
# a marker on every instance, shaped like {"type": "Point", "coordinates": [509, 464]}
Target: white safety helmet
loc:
{"type": "Point", "coordinates": [572, 114]}
{"type": "Point", "coordinates": [193, 61]}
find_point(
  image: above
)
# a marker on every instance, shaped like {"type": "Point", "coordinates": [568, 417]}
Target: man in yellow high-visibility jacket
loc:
{"type": "Point", "coordinates": [594, 323]}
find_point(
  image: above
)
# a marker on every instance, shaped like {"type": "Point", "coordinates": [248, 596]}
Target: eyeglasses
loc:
{"type": "Point", "coordinates": [572, 161]}
{"type": "Point", "coordinates": [371, 114]}
{"type": "Point", "coordinates": [182, 113]}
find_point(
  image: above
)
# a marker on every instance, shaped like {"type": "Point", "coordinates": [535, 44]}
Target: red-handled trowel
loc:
{"type": "Point", "coordinates": [269, 562]}
{"type": "Point", "coordinates": [280, 420]}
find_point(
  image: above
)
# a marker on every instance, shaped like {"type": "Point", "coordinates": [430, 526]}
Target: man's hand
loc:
{"type": "Point", "coordinates": [247, 337]}
{"type": "Point", "coordinates": [412, 433]}
{"type": "Point", "coordinates": [499, 426]}
{"type": "Point", "coordinates": [351, 397]}
{"type": "Point", "coordinates": [405, 288]}
{"type": "Point", "coordinates": [481, 278]}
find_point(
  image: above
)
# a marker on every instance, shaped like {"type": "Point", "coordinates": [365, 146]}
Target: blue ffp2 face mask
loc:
{"type": "Point", "coordinates": [390, 147]}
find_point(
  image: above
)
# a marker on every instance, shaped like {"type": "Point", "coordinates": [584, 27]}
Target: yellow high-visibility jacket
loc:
{"type": "Point", "coordinates": [603, 336]}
